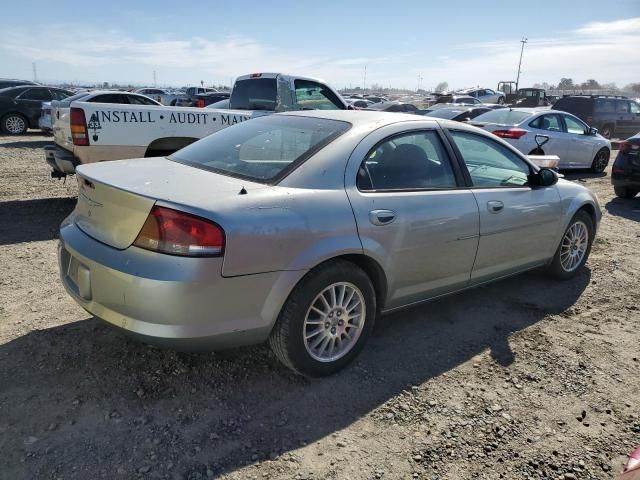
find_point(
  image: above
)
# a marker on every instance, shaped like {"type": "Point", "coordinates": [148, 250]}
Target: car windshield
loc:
{"type": "Point", "coordinates": [264, 149]}
{"type": "Point", "coordinates": [503, 116]}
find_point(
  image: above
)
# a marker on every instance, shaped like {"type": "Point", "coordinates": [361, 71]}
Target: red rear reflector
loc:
{"type": "Point", "coordinates": [255, 75]}
{"type": "Point", "coordinates": [625, 147]}
{"type": "Point", "coordinates": [79, 132]}
{"type": "Point", "coordinates": [179, 233]}
{"type": "Point", "coordinates": [513, 133]}
{"type": "Point", "coordinates": [200, 103]}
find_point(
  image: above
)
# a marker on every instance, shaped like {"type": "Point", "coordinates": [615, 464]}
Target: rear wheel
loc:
{"type": "Point", "coordinates": [574, 247]}
{"type": "Point", "coordinates": [14, 124]}
{"type": "Point", "coordinates": [600, 161]}
{"type": "Point", "coordinates": [326, 320]}
{"type": "Point", "coordinates": [606, 131]}
{"type": "Point", "coordinates": [625, 192]}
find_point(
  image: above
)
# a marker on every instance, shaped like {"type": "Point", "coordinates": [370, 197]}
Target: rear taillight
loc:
{"type": "Point", "coordinates": [513, 133]}
{"type": "Point", "coordinates": [178, 233]}
{"type": "Point", "coordinates": [625, 147]}
{"type": "Point", "coordinates": [79, 132]}
{"type": "Point", "coordinates": [200, 103]}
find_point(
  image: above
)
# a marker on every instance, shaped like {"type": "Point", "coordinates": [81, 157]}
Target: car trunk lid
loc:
{"type": "Point", "coordinates": [115, 198]}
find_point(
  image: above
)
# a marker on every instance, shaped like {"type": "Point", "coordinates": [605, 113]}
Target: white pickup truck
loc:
{"type": "Point", "coordinates": [98, 132]}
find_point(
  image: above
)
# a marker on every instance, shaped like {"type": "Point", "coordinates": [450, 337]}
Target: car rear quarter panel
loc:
{"type": "Point", "coordinates": [574, 197]}
{"type": "Point", "coordinates": [287, 229]}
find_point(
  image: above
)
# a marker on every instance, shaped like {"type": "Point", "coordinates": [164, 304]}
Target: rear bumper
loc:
{"type": "Point", "coordinates": [171, 301]}
{"type": "Point", "coordinates": [60, 160]}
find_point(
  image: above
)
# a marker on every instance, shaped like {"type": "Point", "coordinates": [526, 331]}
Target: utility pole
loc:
{"type": "Point", "coordinates": [419, 82]}
{"type": "Point", "coordinates": [523, 41]}
{"type": "Point", "coordinates": [364, 83]}
{"type": "Point", "coordinates": [154, 79]}
{"type": "Point", "coordinates": [35, 72]}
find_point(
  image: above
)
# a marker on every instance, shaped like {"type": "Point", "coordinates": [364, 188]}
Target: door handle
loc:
{"type": "Point", "coordinates": [495, 206]}
{"type": "Point", "coordinates": [382, 217]}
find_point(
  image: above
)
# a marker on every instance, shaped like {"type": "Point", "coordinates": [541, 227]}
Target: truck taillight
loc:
{"type": "Point", "coordinates": [79, 132]}
{"type": "Point", "coordinates": [179, 233]}
{"type": "Point", "coordinates": [200, 103]}
{"type": "Point", "coordinates": [513, 133]}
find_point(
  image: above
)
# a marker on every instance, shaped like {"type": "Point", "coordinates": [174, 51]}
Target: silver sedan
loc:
{"type": "Point", "coordinates": [301, 228]}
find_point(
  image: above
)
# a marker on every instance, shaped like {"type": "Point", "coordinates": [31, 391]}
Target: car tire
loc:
{"type": "Point", "coordinates": [625, 192]}
{"type": "Point", "coordinates": [607, 131]}
{"type": "Point", "coordinates": [600, 161]}
{"type": "Point", "coordinates": [501, 100]}
{"type": "Point", "coordinates": [308, 325]}
{"type": "Point", "coordinates": [14, 124]}
{"type": "Point", "coordinates": [574, 248]}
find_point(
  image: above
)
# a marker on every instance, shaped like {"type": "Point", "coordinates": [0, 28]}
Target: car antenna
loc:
{"type": "Point", "coordinates": [243, 191]}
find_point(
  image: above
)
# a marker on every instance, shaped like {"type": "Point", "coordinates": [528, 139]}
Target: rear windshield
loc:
{"type": "Point", "coordinates": [67, 101]}
{"type": "Point", "coordinates": [264, 149]}
{"type": "Point", "coordinates": [254, 94]}
{"type": "Point", "coordinates": [503, 116]}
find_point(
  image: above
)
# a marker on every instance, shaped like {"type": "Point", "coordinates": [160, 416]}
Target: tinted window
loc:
{"type": "Point", "coordinates": [446, 113]}
{"type": "Point", "coordinates": [504, 116]}
{"type": "Point", "coordinates": [78, 96]}
{"type": "Point", "coordinates": [622, 106]}
{"type": "Point", "coordinates": [60, 94]}
{"type": "Point", "coordinates": [605, 105]}
{"type": "Point", "coordinates": [254, 94]}
{"type": "Point", "coordinates": [489, 163]}
{"type": "Point", "coordinates": [410, 161]}
{"type": "Point", "coordinates": [138, 100]}
{"type": "Point", "coordinates": [36, 94]}
{"type": "Point", "coordinates": [574, 126]}
{"type": "Point", "coordinates": [314, 96]}
{"type": "Point", "coordinates": [263, 149]}
{"type": "Point", "coordinates": [547, 122]}
{"type": "Point", "coordinates": [109, 98]}
{"type": "Point", "coordinates": [580, 106]}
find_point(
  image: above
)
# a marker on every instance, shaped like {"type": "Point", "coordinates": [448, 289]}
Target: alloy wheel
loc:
{"type": "Point", "coordinates": [574, 246]}
{"type": "Point", "coordinates": [600, 162]}
{"type": "Point", "coordinates": [15, 124]}
{"type": "Point", "coordinates": [334, 322]}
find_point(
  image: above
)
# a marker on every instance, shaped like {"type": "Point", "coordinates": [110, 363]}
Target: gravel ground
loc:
{"type": "Point", "coordinates": [527, 378]}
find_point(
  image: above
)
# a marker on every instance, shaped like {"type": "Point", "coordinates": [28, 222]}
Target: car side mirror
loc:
{"type": "Point", "coordinates": [545, 177]}
{"type": "Point", "coordinates": [592, 131]}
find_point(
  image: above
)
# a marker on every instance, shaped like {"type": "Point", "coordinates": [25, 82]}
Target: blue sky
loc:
{"type": "Point", "coordinates": [473, 43]}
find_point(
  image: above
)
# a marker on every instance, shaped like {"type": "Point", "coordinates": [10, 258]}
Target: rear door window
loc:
{"type": "Point", "coordinates": [109, 98]}
{"type": "Point", "coordinates": [42, 94]}
{"type": "Point", "coordinates": [622, 106]}
{"type": "Point", "coordinates": [605, 105]}
{"type": "Point", "coordinates": [138, 100]}
{"type": "Point", "coordinates": [415, 160]}
{"type": "Point", "coordinates": [551, 123]}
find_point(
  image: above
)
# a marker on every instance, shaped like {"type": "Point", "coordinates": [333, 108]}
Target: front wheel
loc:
{"type": "Point", "coordinates": [600, 161]}
{"type": "Point", "coordinates": [574, 247]}
{"type": "Point", "coordinates": [326, 320]}
{"type": "Point", "coordinates": [14, 124]}
{"type": "Point", "coordinates": [501, 100]}
{"type": "Point", "coordinates": [625, 192]}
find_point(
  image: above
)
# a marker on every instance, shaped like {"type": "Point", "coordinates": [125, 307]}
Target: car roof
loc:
{"type": "Point", "coordinates": [360, 118]}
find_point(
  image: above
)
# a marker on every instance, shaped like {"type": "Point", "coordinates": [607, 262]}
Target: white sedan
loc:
{"type": "Point", "coordinates": [573, 141]}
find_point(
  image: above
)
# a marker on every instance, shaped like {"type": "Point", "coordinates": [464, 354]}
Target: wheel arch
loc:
{"type": "Point", "coordinates": [374, 271]}
{"type": "Point", "coordinates": [167, 145]}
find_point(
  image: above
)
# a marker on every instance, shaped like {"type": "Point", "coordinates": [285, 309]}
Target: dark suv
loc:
{"type": "Point", "coordinates": [613, 116]}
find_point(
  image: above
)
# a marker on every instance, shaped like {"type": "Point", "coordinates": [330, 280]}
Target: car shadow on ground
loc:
{"type": "Point", "coordinates": [628, 208]}
{"type": "Point", "coordinates": [25, 144]}
{"type": "Point", "coordinates": [39, 219]}
{"type": "Point", "coordinates": [111, 400]}
{"type": "Point", "coordinates": [582, 174]}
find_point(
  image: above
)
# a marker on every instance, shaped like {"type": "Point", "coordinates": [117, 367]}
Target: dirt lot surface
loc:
{"type": "Point", "coordinates": [525, 379]}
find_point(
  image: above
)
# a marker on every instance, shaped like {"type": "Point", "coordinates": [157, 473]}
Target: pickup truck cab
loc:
{"type": "Point", "coordinates": [101, 131]}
